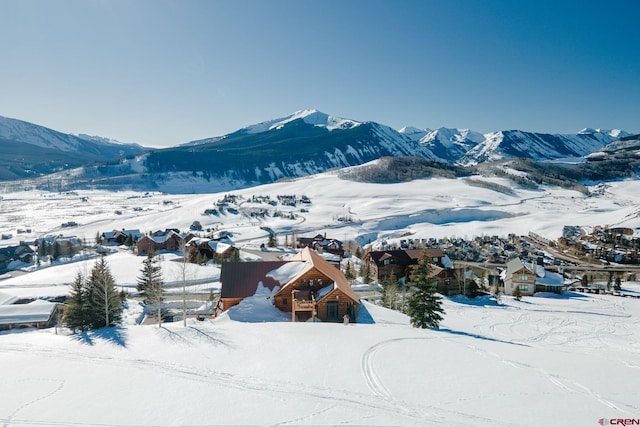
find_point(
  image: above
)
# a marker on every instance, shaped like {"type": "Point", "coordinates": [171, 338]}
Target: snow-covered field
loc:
{"type": "Point", "coordinates": [540, 361]}
{"type": "Point", "coordinates": [536, 362]}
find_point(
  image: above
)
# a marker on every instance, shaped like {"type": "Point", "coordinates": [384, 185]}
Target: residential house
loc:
{"type": "Point", "coordinates": [38, 313]}
{"type": "Point", "coordinates": [530, 278]}
{"type": "Point", "coordinates": [399, 262]}
{"type": "Point", "coordinates": [119, 237]}
{"type": "Point", "coordinates": [309, 286]}
{"type": "Point", "coordinates": [22, 252]}
{"type": "Point", "coordinates": [321, 244]}
{"type": "Point", "coordinates": [168, 240]}
{"type": "Point", "coordinates": [222, 249]}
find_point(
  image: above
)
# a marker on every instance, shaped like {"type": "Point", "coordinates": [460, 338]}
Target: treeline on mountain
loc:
{"type": "Point", "coordinates": [535, 174]}
{"type": "Point", "coordinates": [240, 153]}
{"type": "Point", "coordinates": [403, 169]}
{"type": "Point", "coordinates": [18, 160]}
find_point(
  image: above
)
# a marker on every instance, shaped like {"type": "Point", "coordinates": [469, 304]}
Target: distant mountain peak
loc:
{"type": "Point", "coordinates": [309, 116]}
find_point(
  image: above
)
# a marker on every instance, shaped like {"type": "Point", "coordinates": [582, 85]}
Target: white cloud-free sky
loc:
{"type": "Point", "coordinates": [163, 72]}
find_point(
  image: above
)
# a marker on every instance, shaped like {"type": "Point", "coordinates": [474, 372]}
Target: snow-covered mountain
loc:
{"type": "Point", "coordinates": [539, 146]}
{"type": "Point", "coordinates": [303, 143]}
{"type": "Point", "coordinates": [28, 150]}
{"type": "Point", "coordinates": [449, 145]}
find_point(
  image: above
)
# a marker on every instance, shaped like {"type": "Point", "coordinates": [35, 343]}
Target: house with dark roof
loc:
{"type": "Point", "coordinates": [169, 241]}
{"type": "Point", "coordinates": [321, 244]}
{"type": "Point", "coordinates": [119, 237]}
{"type": "Point", "coordinates": [400, 261]}
{"type": "Point", "coordinates": [309, 287]}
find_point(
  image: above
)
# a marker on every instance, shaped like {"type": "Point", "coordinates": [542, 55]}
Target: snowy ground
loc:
{"type": "Point", "coordinates": [541, 361]}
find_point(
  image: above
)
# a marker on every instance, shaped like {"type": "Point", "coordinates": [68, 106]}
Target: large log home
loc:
{"type": "Point", "coordinates": [309, 286]}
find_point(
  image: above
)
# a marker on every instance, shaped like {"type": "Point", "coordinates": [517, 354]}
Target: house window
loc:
{"type": "Point", "coordinates": [523, 277]}
{"type": "Point", "coordinates": [388, 261]}
{"type": "Point", "coordinates": [435, 259]}
{"type": "Point", "coordinates": [285, 301]}
{"type": "Point", "coordinates": [524, 288]}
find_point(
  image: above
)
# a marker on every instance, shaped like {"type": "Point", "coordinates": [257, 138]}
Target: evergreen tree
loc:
{"type": "Point", "coordinates": [128, 242]}
{"type": "Point", "coordinates": [75, 312]}
{"type": "Point", "coordinates": [424, 305]}
{"type": "Point", "coordinates": [150, 284]}
{"type": "Point", "coordinates": [273, 240]}
{"type": "Point", "coordinates": [104, 302]}
{"type": "Point", "coordinates": [98, 238]}
{"type": "Point", "coordinates": [348, 272]}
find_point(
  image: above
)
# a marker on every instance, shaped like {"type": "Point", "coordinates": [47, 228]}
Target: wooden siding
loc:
{"type": "Point", "coordinates": [227, 303]}
{"type": "Point", "coordinates": [343, 305]}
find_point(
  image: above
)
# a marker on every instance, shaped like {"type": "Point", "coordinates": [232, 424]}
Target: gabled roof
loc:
{"type": "Point", "coordinates": [324, 267]}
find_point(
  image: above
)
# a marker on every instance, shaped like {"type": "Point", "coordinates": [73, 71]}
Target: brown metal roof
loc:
{"type": "Point", "coordinates": [240, 279]}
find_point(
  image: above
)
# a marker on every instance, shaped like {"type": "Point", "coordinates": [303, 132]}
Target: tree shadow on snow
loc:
{"type": "Point", "coordinates": [115, 335]}
{"type": "Point", "coordinates": [480, 337]}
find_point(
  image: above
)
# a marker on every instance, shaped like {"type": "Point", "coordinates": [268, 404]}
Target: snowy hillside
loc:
{"type": "Point", "coordinates": [568, 360]}
{"type": "Point", "coordinates": [538, 146]}
{"type": "Point", "coordinates": [29, 133]}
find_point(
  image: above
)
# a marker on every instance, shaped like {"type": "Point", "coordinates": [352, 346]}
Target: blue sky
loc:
{"type": "Point", "coordinates": [161, 73]}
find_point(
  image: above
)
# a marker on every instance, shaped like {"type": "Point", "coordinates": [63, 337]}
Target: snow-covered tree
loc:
{"type": "Point", "coordinates": [424, 306]}
{"type": "Point", "coordinates": [150, 284]}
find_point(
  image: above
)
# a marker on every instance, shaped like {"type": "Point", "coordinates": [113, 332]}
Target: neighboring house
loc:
{"type": "Point", "coordinates": [530, 278]}
{"type": "Point", "coordinates": [36, 314]}
{"type": "Point", "coordinates": [321, 244]}
{"type": "Point", "coordinates": [119, 237]}
{"type": "Point", "coordinates": [309, 286]}
{"type": "Point", "coordinates": [169, 241]}
{"type": "Point", "coordinates": [400, 261]}
{"type": "Point", "coordinates": [222, 249]}
{"type": "Point", "coordinates": [21, 252]}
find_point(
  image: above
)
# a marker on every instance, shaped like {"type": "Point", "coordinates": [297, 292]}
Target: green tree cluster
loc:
{"type": "Point", "coordinates": [94, 301]}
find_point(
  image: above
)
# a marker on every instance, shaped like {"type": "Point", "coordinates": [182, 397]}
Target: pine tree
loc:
{"type": "Point", "coordinates": [150, 284]}
{"type": "Point", "coordinates": [424, 305]}
{"type": "Point", "coordinates": [104, 302]}
{"type": "Point", "coordinates": [348, 272]}
{"type": "Point", "coordinates": [273, 240]}
{"type": "Point", "coordinates": [75, 312]}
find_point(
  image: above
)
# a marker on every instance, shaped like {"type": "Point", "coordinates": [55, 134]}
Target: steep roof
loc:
{"type": "Point", "coordinates": [324, 267]}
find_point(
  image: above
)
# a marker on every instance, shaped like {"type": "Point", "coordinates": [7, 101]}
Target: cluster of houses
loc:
{"type": "Point", "coordinates": [30, 252]}
{"type": "Point", "coordinates": [493, 249]}
{"type": "Point", "coordinates": [615, 244]}
{"type": "Point", "coordinates": [310, 284]}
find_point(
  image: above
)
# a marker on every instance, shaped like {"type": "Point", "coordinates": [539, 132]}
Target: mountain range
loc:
{"type": "Point", "coordinates": [303, 143]}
